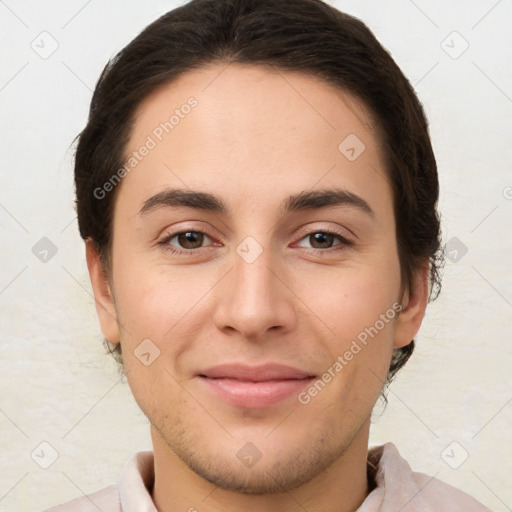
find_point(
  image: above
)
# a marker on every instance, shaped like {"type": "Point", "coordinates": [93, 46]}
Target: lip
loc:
{"type": "Point", "coordinates": [254, 387]}
{"type": "Point", "coordinates": [260, 373]}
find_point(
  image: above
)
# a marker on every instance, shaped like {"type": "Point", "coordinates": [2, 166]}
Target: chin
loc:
{"type": "Point", "coordinates": [263, 467]}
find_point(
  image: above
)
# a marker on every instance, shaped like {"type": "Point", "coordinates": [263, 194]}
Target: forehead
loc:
{"type": "Point", "coordinates": [260, 99]}
{"type": "Point", "coordinates": [255, 125]}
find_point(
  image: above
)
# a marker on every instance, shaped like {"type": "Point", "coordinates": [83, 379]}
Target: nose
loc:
{"type": "Point", "coordinates": [255, 298]}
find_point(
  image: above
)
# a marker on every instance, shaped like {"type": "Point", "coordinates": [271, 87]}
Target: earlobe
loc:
{"type": "Point", "coordinates": [103, 297]}
{"type": "Point", "coordinates": [414, 303]}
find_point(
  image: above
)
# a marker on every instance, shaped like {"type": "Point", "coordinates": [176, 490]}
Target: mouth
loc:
{"type": "Point", "coordinates": [254, 387]}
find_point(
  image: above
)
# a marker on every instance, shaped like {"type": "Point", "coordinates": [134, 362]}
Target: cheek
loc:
{"type": "Point", "coordinates": [359, 305]}
{"type": "Point", "coordinates": [151, 300]}
{"type": "Point", "coordinates": [156, 391]}
{"type": "Point", "coordinates": [349, 299]}
{"type": "Point", "coordinates": [355, 371]}
{"type": "Point", "coordinates": [167, 307]}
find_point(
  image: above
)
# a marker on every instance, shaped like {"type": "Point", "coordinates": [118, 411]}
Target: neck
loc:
{"type": "Point", "coordinates": [342, 487]}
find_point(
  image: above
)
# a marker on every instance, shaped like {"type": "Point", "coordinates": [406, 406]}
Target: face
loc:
{"type": "Point", "coordinates": [257, 320]}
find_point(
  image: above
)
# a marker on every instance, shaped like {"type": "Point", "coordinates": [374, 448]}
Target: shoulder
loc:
{"type": "Point", "coordinates": [131, 493]}
{"type": "Point", "coordinates": [435, 495]}
{"type": "Point", "coordinates": [400, 488]}
{"type": "Point", "coordinates": [106, 500]}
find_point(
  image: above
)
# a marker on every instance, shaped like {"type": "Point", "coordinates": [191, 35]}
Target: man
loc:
{"type": "Point", "coordinates": [257, 193]}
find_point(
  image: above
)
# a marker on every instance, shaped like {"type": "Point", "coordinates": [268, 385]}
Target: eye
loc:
{"type": "Point", "coordinates": [188, 240]}
{"type": "Point", "coordinates": [325, 240]}
{"type": "Point", "coordinates": [191, 241]}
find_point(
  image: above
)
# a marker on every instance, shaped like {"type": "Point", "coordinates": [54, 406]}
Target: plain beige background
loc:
{"type": "Point", "coordinates": [450, 410]}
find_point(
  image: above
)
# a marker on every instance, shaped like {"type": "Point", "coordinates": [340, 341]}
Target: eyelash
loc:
{"type": "Point", "coordinates": [345, 243]}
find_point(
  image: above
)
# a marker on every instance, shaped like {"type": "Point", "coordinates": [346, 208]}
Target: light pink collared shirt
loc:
{"type": "Point", "coordinates": [398, 488]}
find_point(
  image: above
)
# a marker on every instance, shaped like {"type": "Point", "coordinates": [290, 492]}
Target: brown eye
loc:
{"type": "Point", "coordinates": [184, 242]}
{"type": "Point", "coordinates": [321, 240]}
{"type": "Point", "coordinates": [190, 239]}
{"type": "Point", "coordinates": [326, 240]}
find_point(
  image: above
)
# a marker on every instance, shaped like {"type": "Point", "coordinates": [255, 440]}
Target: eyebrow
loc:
{"type": "Point", "coordinates": [306, 200]}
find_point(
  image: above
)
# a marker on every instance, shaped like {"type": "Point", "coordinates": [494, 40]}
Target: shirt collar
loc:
{"type": "Point", "coordinates": [387, 470]}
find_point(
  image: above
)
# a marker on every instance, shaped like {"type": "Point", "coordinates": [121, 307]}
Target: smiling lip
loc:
{"type": "Point", "coordinates": [254, 387]}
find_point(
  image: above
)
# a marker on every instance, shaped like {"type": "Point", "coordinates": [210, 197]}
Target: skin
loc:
{"type": "Point", "coordinates": [256, 136]}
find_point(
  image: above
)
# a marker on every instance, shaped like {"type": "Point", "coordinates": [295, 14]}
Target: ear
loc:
{"type": "Point", "coordinates": [414, 303]}
{"type": "Point", "coordinates": [103, 297]}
